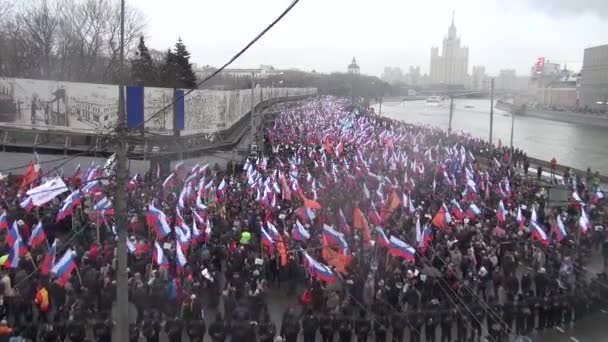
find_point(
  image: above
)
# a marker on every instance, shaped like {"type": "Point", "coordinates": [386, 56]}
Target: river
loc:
{"type": "Point", "coordinates": [578, 146]}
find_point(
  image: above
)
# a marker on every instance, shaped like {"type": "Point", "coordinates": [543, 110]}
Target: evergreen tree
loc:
{"type": "Point", "coordinates": [143, 71]}
{"type": "Point", "coordinates": [181, 67]}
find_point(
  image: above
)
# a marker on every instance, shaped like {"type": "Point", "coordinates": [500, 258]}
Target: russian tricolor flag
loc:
{"type": "Point", "coordinates": [332, 237]}
{"type": "Point", "coordinates": [92, 188]}
{"type": "Point", "coordinates": [158, 256]}
{"type": "Point", "coordinates": [27, 204]}
{"type": "Point", "coordinates": [157, 219]}
{"type": "Point", "coordinates": [13, 256]}
{"type": "Point", "coordinates": [3, 221]}
{"type": "Point", "coordinates": [319, 270]}
{"type": "Point", "coordinates": [104, 207]}
{"type": "Point", "coordinates": [300, 233]}
{"type": "Point", "coordinates": [267, 239]}
{"type": "Point", "coordinates": [13, 237]}
{"type": "Point", "coordinates": [342, 223]}
{"type": "Point", "coordinates": [427, 237]}
{"type": "Point", "coordinates": [382, 239]}
{"type": "Point", "coordinates": [521, 220]}
{"type": "Point", "coordinates": [38, 235]}
{"type": "Point", "coordinates": [473, 211]}
{"type": "Point", "coordinates": [501, 213]}
{"type": "Point", "coordinates": [401, 249]}
{"type": "Point", "coordinates": [68, 205]}
{"type": "Point", "coordinates": [539, 233]}
{"type": "Point", "coordinates": [64, 267]}
{"type": "Point", "coordinates": [560, 229]}
{"type": "Point", "coordinates": [49, 259]}
{"type": "Point", "coordinates": [457, 210]}
{"type": "Point", "coordinates": [583, 222]}
{"type": "Point", "coordinates": [181, 257]}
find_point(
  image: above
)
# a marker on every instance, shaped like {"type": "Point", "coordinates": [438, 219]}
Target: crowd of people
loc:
{"type": "Point", "coordinates": [363, 227]}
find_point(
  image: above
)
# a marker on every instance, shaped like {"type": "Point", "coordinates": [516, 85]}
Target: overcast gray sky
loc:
{"type": "Point", "coordinates": [325, 34]}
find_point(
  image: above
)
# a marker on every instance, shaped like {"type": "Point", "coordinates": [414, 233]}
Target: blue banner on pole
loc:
{"type": "Point", "coordinates": [135, 106]}
{"type": "Point", "coordinates": [179, 110]}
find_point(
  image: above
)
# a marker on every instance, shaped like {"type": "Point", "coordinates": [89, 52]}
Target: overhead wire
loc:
{"type": "Point", "coordinates": [215, 73]}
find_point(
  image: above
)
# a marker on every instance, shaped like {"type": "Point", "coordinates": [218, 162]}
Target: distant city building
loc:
{"type": "Point", "coordinates": [263, 72]}
{"type": "Point", "coordinates": [506, 80]}
{"type": "Point", "coordinates": [393, 75]}
{"type": "Point", "coordinates": [353, 67]}
{"type": "Point", "coordinates": [413, 77]}
{"type": "Point", "coordinates": [557, 88]}
{"type": "Point", "coordinates": [451, 67]}
{"type": "Point", "coordinates": [479, 79]}
{"type": "Point", "coordinates": [594, 78]}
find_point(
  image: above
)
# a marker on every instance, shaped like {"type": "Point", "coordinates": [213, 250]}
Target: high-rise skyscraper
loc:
{"type": "Point", "coordinates": [450, 68]}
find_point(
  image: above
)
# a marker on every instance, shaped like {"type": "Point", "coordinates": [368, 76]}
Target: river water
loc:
{"type": "Point", "coordinates": [578, 146]}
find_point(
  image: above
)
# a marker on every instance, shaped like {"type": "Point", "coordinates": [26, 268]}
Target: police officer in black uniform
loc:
{"type": "Point", "coordinates": [174, 328]}
{"type": "Point", "coordinates": [310, 324]}
{"type": "Point", "coordinates": [134, 332]}
{"type": "Point", "coordinates": [416, 321]}
{"type": "Point", "coordinates": [290, 327]}
{"type": "Point", "coordinates": [447, 318]}
{"type": "Point", "coordinates": [102, 329]}
{"type": "Point", "coordinates": [76, 330]}
{"type": "Point", "coordinates": [267, 329]}
{"type": "Point", "coordinates": [217, 330]}
{"type": "Point", "coordinates": [327, 324]}
{"type": "Point", "coordinates": [345, 327]}
{"type": "Point", "coordinates": [362, 327]}
{"type": "Point", "coordinates": [196, 329]}
{"type": "Point", "coordinates": [381, 325]}
{"type": "Point", "coordinates": [150, 328]}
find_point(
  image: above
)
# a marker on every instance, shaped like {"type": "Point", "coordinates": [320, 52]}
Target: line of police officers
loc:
{"type": "Point", "coordinates": [446, 321]}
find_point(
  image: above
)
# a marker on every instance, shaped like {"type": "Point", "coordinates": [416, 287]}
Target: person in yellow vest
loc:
{"type": "Point", "coordinates": [42, 301]}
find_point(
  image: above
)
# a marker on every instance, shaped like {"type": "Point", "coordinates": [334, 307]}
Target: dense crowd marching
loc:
{"type": "Point", "coordinates": [379, 229]}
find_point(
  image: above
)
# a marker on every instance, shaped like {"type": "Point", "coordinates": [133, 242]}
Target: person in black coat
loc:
{"type": "Point", "coordinates": [151, 328]}
{"type": "Point", "coordinates": [76, 330]}
{"type": "Point", "coordinates": [381, 325]}
{"type": "Point", "coordinates": [362, 327]}
{"type": "Point", "coordinates": [447, 318]}
{"type": "Point", "coordinates": [290, 326]}
{"type": "Point", "coordinates": [196, 329]}
{"type": "Point", "coordinates": [134, 332]}
{"type": "Point", "coordinates": [345, 327]}
{"type": "Point", "coordinates": [326, 327]}
{"type": "Point", "coordinates": [416, 321]}
{"type": "Point", "coordinates": [174, 328]}
{"type": "Point", "coordinates": [310, 324]}
{"type": "Point", "coordinates": [217, 330]}
{"type": "Point", "coordinates": [267, 330]}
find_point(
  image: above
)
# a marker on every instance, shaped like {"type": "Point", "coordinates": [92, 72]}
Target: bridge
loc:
{"type": "Point", "coordinates": [143, 146]}
{"type": "Point", "coordinates": [447, 94]}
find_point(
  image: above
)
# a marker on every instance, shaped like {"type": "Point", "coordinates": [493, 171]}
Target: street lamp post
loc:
{"type": "Point", "coordinates": [512, 128]}
{"type": "Point", "coordinates": [491, 109]}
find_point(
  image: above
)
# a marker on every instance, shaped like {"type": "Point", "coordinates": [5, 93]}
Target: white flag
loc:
{"type": "Point", "coordinates": [47, 191]}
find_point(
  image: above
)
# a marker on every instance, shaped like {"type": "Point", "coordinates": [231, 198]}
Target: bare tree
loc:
{"type": "Point", "coordinates": [39, 20]}
{"type": "Point", "coordinates": [135, 25]}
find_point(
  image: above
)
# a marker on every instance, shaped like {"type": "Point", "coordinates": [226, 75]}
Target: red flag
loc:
{"type": "Point", "coordinates": [439, 220]}
{"type": "Point", "coordinates": [30, 176]}
{"type": "Point", "coordinates": [359, 222]}
{"type": "Point", "coordinates": [328, 148]}
{"type": "Point", "coordinates": [308, 203]}
{"type": "Point", "coordinates": [393, 204]}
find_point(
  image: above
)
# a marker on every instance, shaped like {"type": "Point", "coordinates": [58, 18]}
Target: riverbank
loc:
{"type": "Point", "coordinates": [568, 117]}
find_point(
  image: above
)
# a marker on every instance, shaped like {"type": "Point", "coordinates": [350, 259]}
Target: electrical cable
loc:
{"type": "Point", "coordinates": [215, 73]}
